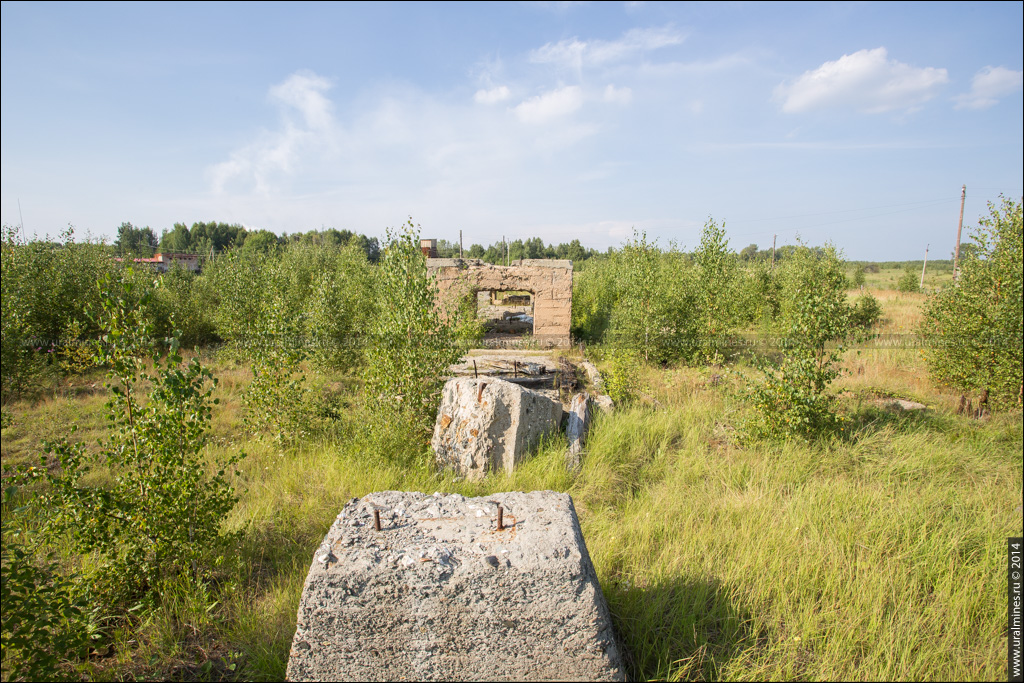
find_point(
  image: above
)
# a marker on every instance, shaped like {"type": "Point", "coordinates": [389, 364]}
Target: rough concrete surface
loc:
{"type": "Point", "coordinates": [548, 280]}
{"type": "Point", "coordinates": [578, 425]}
{"type": "Point", "coordinates": [439, 593]}
{"type": "Point", "coordinates": [487, 424]}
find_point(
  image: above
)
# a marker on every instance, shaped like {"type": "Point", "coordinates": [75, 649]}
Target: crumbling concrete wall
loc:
{"type": "Point", "coordinates": [550, 282]}
{"type": "Point", "coordinates": [441, 593]}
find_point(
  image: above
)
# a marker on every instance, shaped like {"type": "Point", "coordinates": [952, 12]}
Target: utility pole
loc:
{"type": "Point", "coordinates": [921, 286]}
{"type": "Point", "coordinates": [460, 244]}
{"type": "Point", "coordinates": [774, 237]}
{"type": "Point", "coordinates": [959, 227]}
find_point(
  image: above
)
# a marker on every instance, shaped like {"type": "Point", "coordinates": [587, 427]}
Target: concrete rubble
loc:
{"type": "Point", "coordinates": [577, 426]}
{"type": "Point", "coordinates": [487, 424]}
{"type": "Point", "coordinates": [441, 593]}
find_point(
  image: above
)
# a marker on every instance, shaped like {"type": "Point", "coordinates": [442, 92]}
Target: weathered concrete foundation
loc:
{"type": "Point", "coordinates": [441, 593]}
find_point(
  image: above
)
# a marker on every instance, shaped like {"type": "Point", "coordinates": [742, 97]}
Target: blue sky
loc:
{"type": "Point", "coordinates": [854, 123]}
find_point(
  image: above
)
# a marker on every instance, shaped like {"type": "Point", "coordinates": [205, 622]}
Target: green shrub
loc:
{"type": "Point", "coordinates": [793, 398]}
{"type": "Point", "coordinates": [412, 343]}
{"type": "Point", "coordinates": [339, 310]}
{"type": "Point", "coordinates": [975, 323]}
{"type": "Point", "coordinates": [594, 293]}
{"type": "Point", "coordinates": [909, 281]}
{"type": "Point", "coordinates": [45, 616]}
{"type": "Point", "coordinates": [866, 312]}
{"type": "Point", "coordinates": [715, 285]}
{"type": "Point", "coordinates": [759, 292]}
{"type": "Point", "coordinates": [159, 516]}
{"type": "Point", "coordinates": [622, 376]}
{"type": "Point", "coordinates": [47, 289]}
{"type": "Point", "coordinates": [639, 320]}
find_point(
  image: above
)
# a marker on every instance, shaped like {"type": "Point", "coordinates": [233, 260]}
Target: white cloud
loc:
{"type": "Point", "coordinates": [304, 91]}
{"type": "Point", "coordinates": [550, 105]}
{"type": "Point", "coordinates": [576, 53]}
{"type": "Point", "coordinates": [615, 95]}
{"type": "Point", "coordinates": [492, 95]}
{"type": "Point", "coordinates": [867, 81]}
{"type": "Point", "coordinates": [988, 85]}
{"type": "Point", "coordinates": [275, 153]}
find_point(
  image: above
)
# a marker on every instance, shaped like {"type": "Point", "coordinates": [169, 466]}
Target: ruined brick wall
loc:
{"type": "Point", "coordinates": [550, 282]}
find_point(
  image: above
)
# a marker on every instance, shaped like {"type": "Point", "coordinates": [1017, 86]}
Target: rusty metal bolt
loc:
{"type": "Point", "coordinates": [376, 519]}
{"type": "Point", "coordinates": [501, 521]}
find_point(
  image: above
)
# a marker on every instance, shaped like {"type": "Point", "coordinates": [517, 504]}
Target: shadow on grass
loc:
{"type": "Point", "coordinates": [868, 418]}
{"type": "Point", "coordinates": [677, 629]}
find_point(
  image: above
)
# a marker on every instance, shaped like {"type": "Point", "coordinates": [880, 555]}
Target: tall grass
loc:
{"type": "Point", "coordinates": [878, 556]}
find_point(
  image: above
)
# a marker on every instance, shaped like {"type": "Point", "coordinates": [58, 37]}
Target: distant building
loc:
{"type": "Point", "coordinates": [429, 248]}
{"type": "Point", "coordinates": [163, 262]}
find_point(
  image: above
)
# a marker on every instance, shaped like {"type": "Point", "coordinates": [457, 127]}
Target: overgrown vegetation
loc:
{"type": "Point", "coordinates": [754, 510]}
{"type": "Point", "coordinates": [793, 398]}
{"type": "Point", "coordinates": [975, 323]}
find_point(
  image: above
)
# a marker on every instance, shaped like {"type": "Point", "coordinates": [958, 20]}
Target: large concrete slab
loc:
{"type": "Point", "coordinates": [439, 593]}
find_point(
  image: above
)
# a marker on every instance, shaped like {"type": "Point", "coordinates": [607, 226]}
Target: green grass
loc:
{"type": "Point", "coordinates": [879, 556]}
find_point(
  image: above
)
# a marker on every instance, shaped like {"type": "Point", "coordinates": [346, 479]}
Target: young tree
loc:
{"type": "Point", "coordinates": [792, 399]}
{"type": "Point", "coordinates": [159, 515]}
{"type": "Point", "coordinates": [715, 290]}
{"type": "Point", "coordinates": [412, 343]}
{"type": "Point", "coordinates": [976, 322]}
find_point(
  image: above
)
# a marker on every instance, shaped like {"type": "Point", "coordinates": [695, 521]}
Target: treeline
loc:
{"type": "Point", "coordinates": [514, 250]}
{"type": "Point", "coordinates": [213, 238]}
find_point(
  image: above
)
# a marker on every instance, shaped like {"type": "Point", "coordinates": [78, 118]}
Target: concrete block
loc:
{"type": "Point", "coordinates": [484, 425]}
{"type": "Point", "coordinates": [439, 593]}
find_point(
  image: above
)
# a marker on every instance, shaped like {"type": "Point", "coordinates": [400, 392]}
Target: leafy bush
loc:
{"type": "Point", "coordinates": [715, 288]}
{"type": "Point", "coordinates": [622, 376]}
{"type": "Point", "coordinates": [412, 343]}
{"type": "Point", "coordinates": [594, 293]}
{"type": "Point", "coordinates": [45, 617]}
{"type": "Point", "coordinates": [760, 289]}
{"type": "Point", "coordinates": [858, 277]}
{"type": "Point", "coordinates": [339, 310]}
{"type": "Point", "coordinates": [639, 320]}
{"type": "Point", "coordinates": [909, 281]}
{"type": "Point", "coordinates": [792, 399]}
{"type": "Point", "coordinates": [976, 321]}
{"type": "Point", "coordinates": [180, 305]}
{"type": "Point", "coordinates": [866, 312]}
{"type": "Point", "coordinates": [47, 289]}
{"type": "Point", "coordinates": [160, 515]}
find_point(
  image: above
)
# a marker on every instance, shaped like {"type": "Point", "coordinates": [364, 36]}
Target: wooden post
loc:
{"type": "Point", "coordinates": [959, 227]}
{"type": "Point", "coordinates": [460, 244]}
{"type": "Point", "coordinates": [921, 286]}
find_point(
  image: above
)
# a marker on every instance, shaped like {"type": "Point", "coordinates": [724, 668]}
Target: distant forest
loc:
{"type": "Point", "coordinates": [204, 238]}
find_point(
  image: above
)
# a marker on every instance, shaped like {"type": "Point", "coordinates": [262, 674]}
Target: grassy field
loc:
{"type": "Point", "coordinates": [880, 555]}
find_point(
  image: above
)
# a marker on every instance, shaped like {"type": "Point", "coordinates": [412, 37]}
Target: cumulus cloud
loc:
{"type": "Point", "coordinates": [575, 53]}
{"type": "Point", "coordinates": [492, 95]}
{"type": "Point", "coordinates": [615, 95]}
{"type": "Point", "coordinates": [988, 85]}
{"type": "Point", "coordinates": [550, 105]}
{"type": "Point", "coordinates": [302, 93]}
{"type": "Point", "coordinates": [867, 81]}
